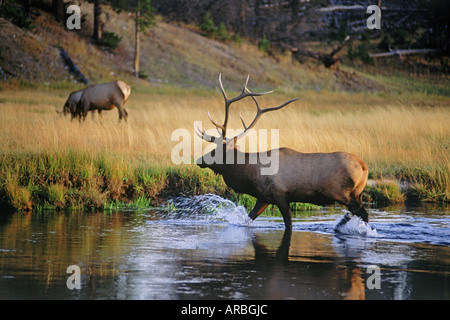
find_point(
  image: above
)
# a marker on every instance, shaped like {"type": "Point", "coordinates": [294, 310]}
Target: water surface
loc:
{"type": "Point", "coordinates": [204, 248]}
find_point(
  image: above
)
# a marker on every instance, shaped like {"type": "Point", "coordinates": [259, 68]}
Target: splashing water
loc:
{"type": "Point", "coordinates": [407, 227]}
{"type": "Point", "coordinates": [209, 207]}
{"type": "Point", "coordinates": [213, 208]}
{"type": "Point", "coordinates": [355, 226]}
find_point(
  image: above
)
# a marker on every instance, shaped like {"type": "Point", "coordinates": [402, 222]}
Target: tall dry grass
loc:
{"type": "Point", "coordinates": [384, 131]}
{"type": "Point", "coordinates": [398, 138]}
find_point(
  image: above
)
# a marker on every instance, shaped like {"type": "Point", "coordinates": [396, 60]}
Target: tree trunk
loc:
{"type": "Point", "coordinates": [137, 46]}
{"type": "Point", "coordinates": [242, 18]}
{"type": "Point", "coordinates": [97, 29]}
{"type": "Point", "coordinates": [256, 25]}
{"type": "Point", "coordinates": [58, 10]}
{"type": "Point", "coordinates": [26, 8]}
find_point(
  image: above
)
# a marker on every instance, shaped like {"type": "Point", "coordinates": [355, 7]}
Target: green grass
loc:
{"type": "Point", "coordinates": [384, 192]}
{"type": "Point", "coordinates": [77, 181]}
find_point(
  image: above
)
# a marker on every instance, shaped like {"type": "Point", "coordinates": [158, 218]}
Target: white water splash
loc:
{"type": "Point", "coordinates": [212, 208]}
{"type": "Point", "coordinates": [209, 207]}
{"type": "Point", "coordinates": [356, 226]}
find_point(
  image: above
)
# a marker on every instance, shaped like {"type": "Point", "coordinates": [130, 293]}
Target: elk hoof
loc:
{"type": "Point", "coordinates": [343, 221]}
{"type": "Point", "coordinates": [247, 221]}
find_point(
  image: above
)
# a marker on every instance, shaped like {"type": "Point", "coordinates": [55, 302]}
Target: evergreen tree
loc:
{"type": "Point", "coordinates": [143, 16]}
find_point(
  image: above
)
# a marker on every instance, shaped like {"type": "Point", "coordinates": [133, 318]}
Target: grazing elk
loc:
{"type": "Point", "coordinates": [104, 96]}
{"type": "Point", "coordinates": [71, 104]}
{"type": "Point", "coordinates": [318, 178]}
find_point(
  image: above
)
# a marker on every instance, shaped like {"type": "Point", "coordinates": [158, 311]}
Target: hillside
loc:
{"type": "Point", "coordinates": [176, 54]}
{"type": "Point", "coordinates": [170, 54]}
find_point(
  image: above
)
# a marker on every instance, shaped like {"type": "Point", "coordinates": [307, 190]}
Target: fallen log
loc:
{"type": "Point", "coordinates": [72, 66]}
{"type": "Point", "coordinates": [341, 8]}
{"type": "Point", "coordinates": [402, 52]}
{"type": "Point", "coordinates": [328, 60]}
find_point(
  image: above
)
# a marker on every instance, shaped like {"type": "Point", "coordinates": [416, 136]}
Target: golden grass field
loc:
{"type": "Point", "coordinates": [399, 137]}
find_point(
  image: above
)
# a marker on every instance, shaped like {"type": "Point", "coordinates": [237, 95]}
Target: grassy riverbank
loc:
{"type": "Point", "coordinates": [47, 161]}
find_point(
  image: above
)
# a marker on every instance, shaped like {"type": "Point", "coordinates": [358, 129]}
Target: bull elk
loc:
{"type": "Point", "coordinates": [318, 178]}
{"type": "Point", "coordinates": [104, 96]}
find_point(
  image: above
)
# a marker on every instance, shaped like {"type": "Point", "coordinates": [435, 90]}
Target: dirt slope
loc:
{"type": "Point", "coordinates": [170, 53]}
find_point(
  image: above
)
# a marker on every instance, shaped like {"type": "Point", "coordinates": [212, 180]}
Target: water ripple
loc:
{"type": "Point", "coordinates": [388, 226]}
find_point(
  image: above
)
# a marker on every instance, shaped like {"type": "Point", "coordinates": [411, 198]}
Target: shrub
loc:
{"type": "Point", "coordinates": [209, 30]}
{"type": "Point", "coordinates": [87, 197]}
{"type": "Point", "coordinates": [237, 39]}
{"type": "Point", "coordinates": [143, 75]}
{"type": "Point", "coordinates": [264, 45]}
{"type": "Point", "coordinates": [361, 52]}
{"type": "Point", "coordinates": [55, 195]}
{"type": "Point", "coordinates": [9, 10]}
{"type": "Point", "coordinates": [18, 197]}
{"type": "Point", "coordinates": [222, 33]}
{"type": "Point", "coordinates": [109, 40]}
{"type": "Point", "coordinates": [207, 25]}
{"type": "Point", "coordinates": [385, 192]}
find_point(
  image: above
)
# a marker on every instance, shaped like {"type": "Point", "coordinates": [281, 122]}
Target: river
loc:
{"type": "Point", "coordinates": [204, 248]}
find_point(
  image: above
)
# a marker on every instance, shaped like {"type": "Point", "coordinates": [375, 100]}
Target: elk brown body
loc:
{"type": "Point", "coordinates": [104, 96]}
{"type": "Point", "coordinates": [318, 178]}
{"type": "Point", "coordinates": [72, 103]}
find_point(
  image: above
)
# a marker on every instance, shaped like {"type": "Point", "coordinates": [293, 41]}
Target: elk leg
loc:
{"type": "Point", "coordinates": [100, 115]}
{"type": "Point", "coordinates": [343, 221]}
{"type": "Point", "coordinates": [356, 208]}
{"type": "Point", "coordinates": [257, 209]}
{"type": "Point", "coordinates": [122, 112]}
{"type": "Point", "coordinates": [361, 212]}
{"type": "Point", "coordinates": [283, 205]}
{"type": "Point", "coordinates": [283, 250]}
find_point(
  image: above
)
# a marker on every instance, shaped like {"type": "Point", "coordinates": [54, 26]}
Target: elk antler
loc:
{"type": "Point", "coordinates": [258, 115]}
{"type": "Point", "coordinates": [202, 134]}
{"type": "Point", "coordinates": [245, 93]}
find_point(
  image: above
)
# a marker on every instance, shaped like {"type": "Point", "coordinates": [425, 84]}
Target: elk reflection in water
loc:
{"type": "Point", "coordinates": [146, 255]}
